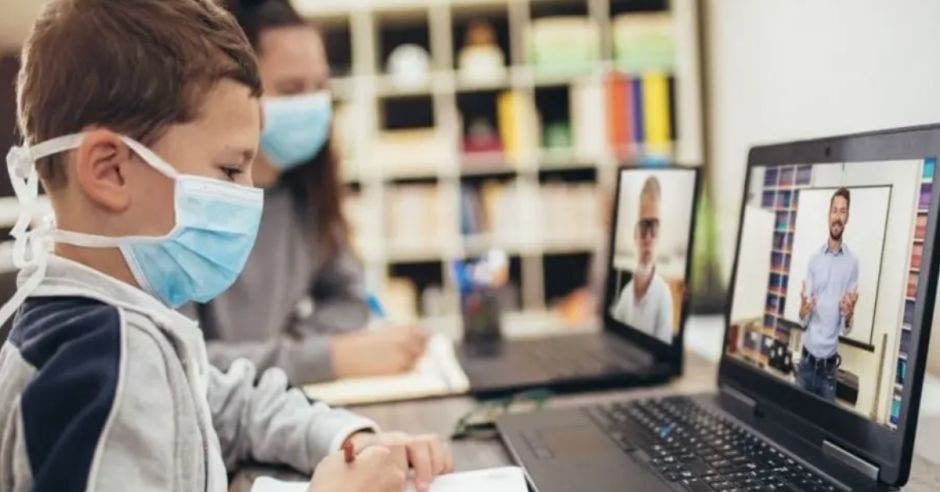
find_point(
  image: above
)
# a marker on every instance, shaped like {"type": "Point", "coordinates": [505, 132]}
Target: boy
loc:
{"type": "Point", "coordinates": [142, 118]}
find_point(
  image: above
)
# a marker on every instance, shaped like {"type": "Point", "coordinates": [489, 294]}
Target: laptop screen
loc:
{"type": "Point", "coordinates": [650, 252]}
{"type": "Point", "coordinates": [826, 278]}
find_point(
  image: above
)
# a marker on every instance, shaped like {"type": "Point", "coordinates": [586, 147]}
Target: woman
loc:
{"type": "Point", "coordinates": [300, 303]}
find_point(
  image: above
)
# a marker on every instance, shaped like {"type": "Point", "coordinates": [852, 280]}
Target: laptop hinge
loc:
{"type": "Point", "coordinates": [851, 460]}
{"type": "Point", "coordinates": [749, 403]}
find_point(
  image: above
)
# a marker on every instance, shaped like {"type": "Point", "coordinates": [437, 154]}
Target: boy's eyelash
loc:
{"type": "Point", "coordinates": [232, 171]}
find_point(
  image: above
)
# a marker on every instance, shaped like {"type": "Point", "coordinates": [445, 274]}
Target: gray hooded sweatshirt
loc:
{"type": "Point", "coordinates": [102, 387]}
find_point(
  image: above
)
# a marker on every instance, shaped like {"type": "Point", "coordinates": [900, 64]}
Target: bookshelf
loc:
{"type": "Point", "coordinates": [781, 194]}
{"type": "Point", "coordinates": [917, 249]}
{"type": "Point", "coordinates": [408, 169]}
{"type": "Point", "coordinates": [422, 193]}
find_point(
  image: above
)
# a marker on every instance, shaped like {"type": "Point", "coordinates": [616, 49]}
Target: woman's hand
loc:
{"type": "Point", "coordinates": [377, 352]}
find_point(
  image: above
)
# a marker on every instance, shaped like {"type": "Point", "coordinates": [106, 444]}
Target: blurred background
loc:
{"type": "Point", "coordinates": [469, 125]}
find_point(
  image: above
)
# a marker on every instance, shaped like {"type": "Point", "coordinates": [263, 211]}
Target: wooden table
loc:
{"type": "Point", "coordinates": [440, 415]}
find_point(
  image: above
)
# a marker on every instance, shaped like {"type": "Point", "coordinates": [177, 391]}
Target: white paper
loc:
{"type": "Point", "coordinates": [505, 479]}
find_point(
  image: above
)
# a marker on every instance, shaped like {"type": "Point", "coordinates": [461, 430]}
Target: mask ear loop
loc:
{"type": "Point", "coordinates": [151, 158]}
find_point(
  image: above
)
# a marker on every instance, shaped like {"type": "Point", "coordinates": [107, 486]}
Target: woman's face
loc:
{"type": "Point", "coordinates": [292, 61]}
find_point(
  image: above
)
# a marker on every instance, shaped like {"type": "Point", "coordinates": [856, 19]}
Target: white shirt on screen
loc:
{"type": "Point", "coordinates": [651, 314]}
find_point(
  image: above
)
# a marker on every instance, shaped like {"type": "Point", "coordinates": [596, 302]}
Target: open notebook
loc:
{"type": "Point", "coordinates": [505, 479]}
{"type": "Point", "coordinates": [437, 373]}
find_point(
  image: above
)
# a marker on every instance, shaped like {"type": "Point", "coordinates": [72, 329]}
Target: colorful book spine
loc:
{"type": "Point", "coordinates": [656, 121]}
{"type": "Point", "coordinates": [639, 132]}
{"type": "Point", "coordinates": [508, 129]}
{"type": "Point", "coordinates": [617, 113]}
{"type": "Point", "coordinates": [641, 112]}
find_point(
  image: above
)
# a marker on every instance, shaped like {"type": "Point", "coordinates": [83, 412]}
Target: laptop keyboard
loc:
{"type": "Point", "coordinates": [575, 356]}
{"type": "Point", "coordinates": [702, 451]}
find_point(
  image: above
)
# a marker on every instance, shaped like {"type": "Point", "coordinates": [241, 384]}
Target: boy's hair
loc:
{"type": "Point", "coordinates": [651, 191]}
{"type": "Point", "coordinates": [132, 66]}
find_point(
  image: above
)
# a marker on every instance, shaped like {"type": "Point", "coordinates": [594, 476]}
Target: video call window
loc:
{"type": "Point", "coordinates": [651, 246]}
{"type": "Point", "coordinates": [827, 271]}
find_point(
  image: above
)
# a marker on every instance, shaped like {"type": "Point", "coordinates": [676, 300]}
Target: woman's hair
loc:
{"type": "Point", "coordinates": [315, 184]}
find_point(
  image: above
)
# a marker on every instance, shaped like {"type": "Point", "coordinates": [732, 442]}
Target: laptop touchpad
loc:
{"type": "Point", "coordinates": [570, 440]}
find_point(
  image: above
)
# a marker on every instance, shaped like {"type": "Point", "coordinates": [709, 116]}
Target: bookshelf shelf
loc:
{"type": "Point", "coordinates": [405, 145]}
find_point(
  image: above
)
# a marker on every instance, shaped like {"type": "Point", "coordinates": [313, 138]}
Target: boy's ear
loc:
{"type": "Point", "coordinates": [99, 170]}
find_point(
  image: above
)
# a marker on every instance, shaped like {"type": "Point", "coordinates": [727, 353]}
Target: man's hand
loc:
{"type": "Point", "coordinates": [377, 352]}
{"type": "Point", "coordinates": [847, 307]}
{"type": "Point", "coordinates": [807, 303]}
{"type": "Point", "coordinates": [427, 454]}
{"type": "Point", "coordinates": [374, 470]}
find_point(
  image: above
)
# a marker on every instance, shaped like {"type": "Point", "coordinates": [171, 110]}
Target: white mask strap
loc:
{"type": "Point", "coordinates": [21, 165]}
{"type": "Point", "coordinates": [151, 158]}
{"type": "Point", "coordinates": [86, 240]}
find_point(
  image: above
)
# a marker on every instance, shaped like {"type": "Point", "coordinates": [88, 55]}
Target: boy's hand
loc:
{"type": "Point", "coordinates": [376, 352]}
{"type": "Point", "coordinates": [427, 454]}
{"type": "Point", "coordinates": [374, 470]}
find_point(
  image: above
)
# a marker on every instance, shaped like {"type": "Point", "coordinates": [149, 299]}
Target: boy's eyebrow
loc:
{"type": "Point", "coordinates": [242, 155]}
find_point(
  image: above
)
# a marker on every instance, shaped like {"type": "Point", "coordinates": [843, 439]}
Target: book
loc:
{"type": "Point", "coordinates": [587, 123]}
{"type": "Point", "coordinates": [619, 114]}
{"type": "Point", "coordinates": [656, 112]}
{"type": "Point", "coordinates": [636, 90]}
{"type": "Point", "coordinates": [644, 41]}
{"type": "Point", "coordinates": [437, 373]}
{"type": "Point", "coordinates": [502, 479]}
{"type": "Point", "coordinates": [411, 151]}
{"type": "Point", "coordinates": [564, 45]}
{"type": "Point", "coordinates": [516, 122]}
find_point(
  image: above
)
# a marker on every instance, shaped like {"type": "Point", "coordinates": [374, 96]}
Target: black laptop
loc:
{"type": "Point", "coordinates": [832, 298]}
{"type": "Point", "coordinates": [644, 308]}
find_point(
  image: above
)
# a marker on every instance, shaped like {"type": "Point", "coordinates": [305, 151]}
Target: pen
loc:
{"type": "Point", "coordinates": [349, 452]}
{"type": "Point", "coordinates": [375, 305]}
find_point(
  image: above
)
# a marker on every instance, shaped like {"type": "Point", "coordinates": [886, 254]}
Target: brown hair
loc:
{"type": "Point", "coordinates": [844, 193]}
{"type": "Point", "coordinates": [315, 184]}
{"type": "Point", "coordinates": [133, 66]}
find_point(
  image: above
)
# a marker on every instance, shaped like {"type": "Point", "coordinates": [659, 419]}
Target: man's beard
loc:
{"type": "Point", "coordinates": [832, 233]}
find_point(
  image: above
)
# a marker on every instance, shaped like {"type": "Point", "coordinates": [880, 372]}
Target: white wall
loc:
{"type": "Point", "coordinates": [781, 70]}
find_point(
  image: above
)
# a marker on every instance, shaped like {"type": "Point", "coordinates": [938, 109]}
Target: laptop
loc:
{"type": "Point", "coordinates": [832, 297]}
{"type": "Point", "coordinates": [644, 306]}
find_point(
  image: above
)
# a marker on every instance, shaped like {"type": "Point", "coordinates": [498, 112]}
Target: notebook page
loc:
{"type": "Point", "coordinates": [437, 373]}
{"type": "Point", "coordinates": [505, 479]}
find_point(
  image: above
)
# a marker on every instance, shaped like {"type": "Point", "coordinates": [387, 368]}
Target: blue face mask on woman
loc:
{"type": "Point", "coordinates": [296, 128]}
{"type": "Point", "coordinates": [202, 256]}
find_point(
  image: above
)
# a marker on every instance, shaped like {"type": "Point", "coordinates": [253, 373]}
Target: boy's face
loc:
{"type": "Point", "coordinates": [646, 233]}
{"type": "Point", "coordinates": [220, 143]}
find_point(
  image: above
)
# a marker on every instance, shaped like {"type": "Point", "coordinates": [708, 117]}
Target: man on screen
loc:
{"type": "Point", "coordinates": [827, 303]}
{"type": "Point", "coordinates": [646, 303]}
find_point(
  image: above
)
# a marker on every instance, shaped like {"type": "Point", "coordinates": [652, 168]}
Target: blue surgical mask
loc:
{"type": "Point", "coordinates": [295, 128]}
{"type": "Point", "coordinates": [202, 256]}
